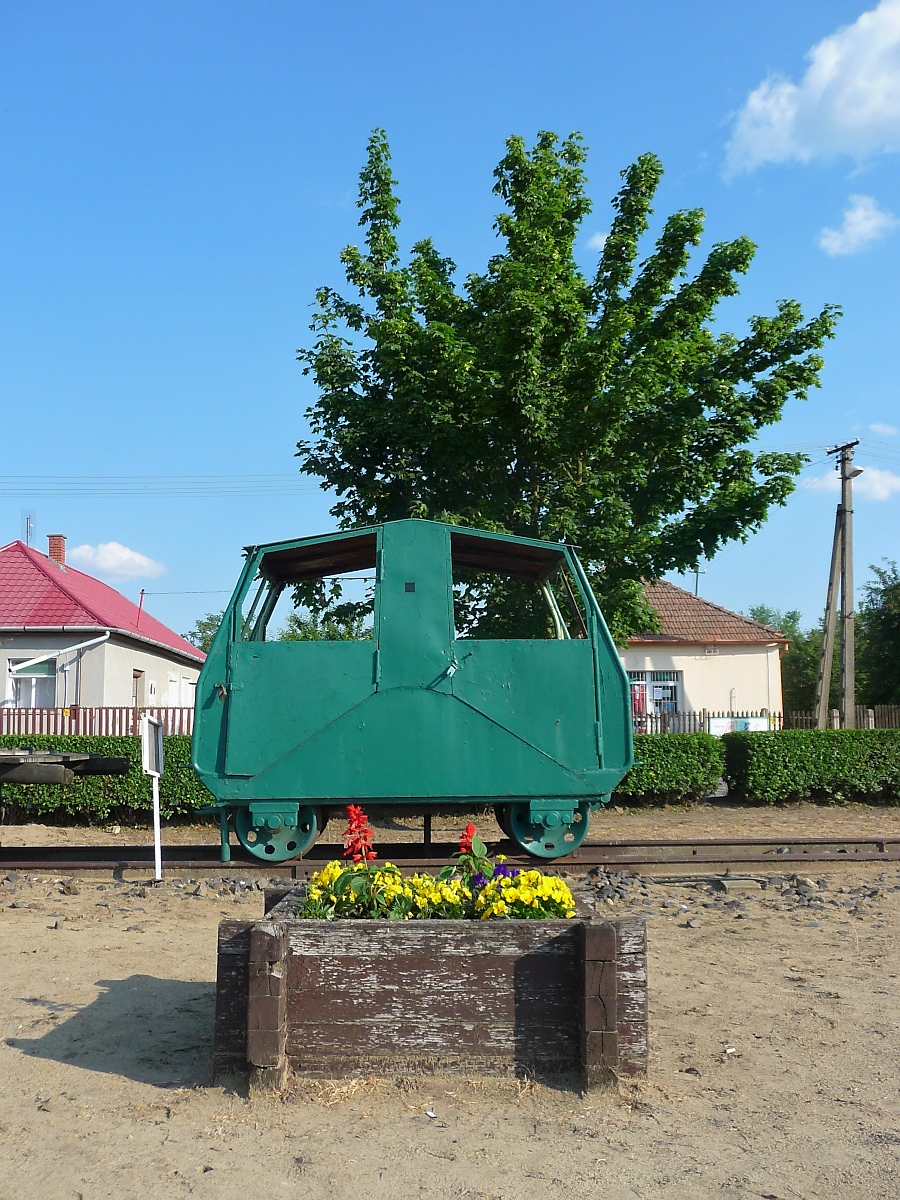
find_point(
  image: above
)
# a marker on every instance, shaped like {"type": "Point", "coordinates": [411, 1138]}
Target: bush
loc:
{"type": "Point", "coordinates": [672, 768]}
{"type": "Point", "coordinates": [822, 765]}
{"type": "Point", "coordinates": [96, 798]}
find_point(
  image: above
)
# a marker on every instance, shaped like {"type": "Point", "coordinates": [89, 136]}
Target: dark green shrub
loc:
{"type": "Point", "coordinates": [673, 768]}
{"type": "Point", "coordinates": [97, 798]}
{"type": "Point", "coordinates": [822, 765]}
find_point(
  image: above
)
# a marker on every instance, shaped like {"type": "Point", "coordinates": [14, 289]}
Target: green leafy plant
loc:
{"type": "Point", "coordinates": [825, 766]}
{"type": "Point", "coordinates": [470, 887]}
{"type": "Point", "coordinates": [204, 631]}
{"type": "Point", "coordinates": [672, 768]}
{"type": "Point", "coordinates": [97, 798]}
{"type": "Point", "coordinates": [878, 634]}
{"type": "Point", "coordinates": [542, 401]}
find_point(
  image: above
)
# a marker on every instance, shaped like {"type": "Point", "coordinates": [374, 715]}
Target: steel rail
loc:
{"type": "Point", "coordinates": [631, 854]}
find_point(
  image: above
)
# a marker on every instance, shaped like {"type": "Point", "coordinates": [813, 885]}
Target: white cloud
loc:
{"type": "Point", "coordinates": [117, 561]}
{"type": "Point", "coordinates": [884, 430]}
{"type": "Point", "coordinates": [823, 483]}
{"type": "Point", "coordinates": [873, 484]}
{"type": "Point", "coordinates": [597, 241]}
{"type": "Point", "coordinates": [848, 102]}
{"type": "Point", "coordinates": [864, 222]}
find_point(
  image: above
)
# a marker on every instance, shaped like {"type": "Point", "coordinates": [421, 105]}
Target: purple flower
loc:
{"type": "Point", "coordinates": [505, 871]}
{"type": "Point", "coordinates": [478, 880]}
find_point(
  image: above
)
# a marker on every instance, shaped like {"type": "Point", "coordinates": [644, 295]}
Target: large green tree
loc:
{"type": "Point", "coordinates": [205, 629]}
{"type": "Point", "coordinates": [800, 665]}
{"type": "Point", "coordinates": [878, 638]}
{"type": "Point", "coordinates": [535, 399]}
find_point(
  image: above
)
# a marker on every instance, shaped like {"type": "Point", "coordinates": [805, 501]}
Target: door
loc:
{"type": "Point", "coordinates": [283, 689]}
{"type": "Point", "coordinates": [540, 688]}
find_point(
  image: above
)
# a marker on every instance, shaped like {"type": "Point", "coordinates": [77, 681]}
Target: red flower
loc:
{"type": "Point", "coordinates": [465, 839]}
{"type": "Point", "coordinates": [358, 836]}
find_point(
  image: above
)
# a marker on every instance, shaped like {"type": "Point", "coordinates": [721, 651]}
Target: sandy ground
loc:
{"type": "Point", "coordinates": [775, 1070]}
{"type": "Point", "coordinates": [717, 819]}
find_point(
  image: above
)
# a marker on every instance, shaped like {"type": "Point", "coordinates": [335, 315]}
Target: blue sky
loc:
{"type": "Point", "coordinates": [177, 178]}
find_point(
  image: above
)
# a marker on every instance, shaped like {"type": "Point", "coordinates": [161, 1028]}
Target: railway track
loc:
{"type": "Point", "coordinates": [635, 855]}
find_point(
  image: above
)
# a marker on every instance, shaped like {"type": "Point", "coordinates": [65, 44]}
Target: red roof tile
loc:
{"type": "Point", "coordinates": [688, 618]}
{"type": "Point", "coordinates": [37, 593]}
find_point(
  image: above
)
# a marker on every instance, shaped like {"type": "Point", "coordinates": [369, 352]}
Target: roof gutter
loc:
{"type": "Point", "coordinates": [125, 633]}
{"type": "Point", "coordinates": [32, 662]}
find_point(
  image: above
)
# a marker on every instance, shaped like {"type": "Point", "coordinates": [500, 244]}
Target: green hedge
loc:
{"type": "Point", "coordinates": [673, 768]}
{"type": "Point", "coordinates": [822, 765]}
{"type": "Point", "coordinates": [97, 798]}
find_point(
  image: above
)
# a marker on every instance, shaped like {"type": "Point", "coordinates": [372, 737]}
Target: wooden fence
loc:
{"type": "Point", "coordinates": [695, 722]}
{"type": "Point", "coordinates": [882, 716]}
{"type": "Point", "coordinates": [124, 721]}
{"type": "Point", "coordinates": [105, 721]}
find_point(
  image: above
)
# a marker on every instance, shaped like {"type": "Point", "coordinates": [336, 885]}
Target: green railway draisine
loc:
{"type": "Point", "coordinates": [412, 716]}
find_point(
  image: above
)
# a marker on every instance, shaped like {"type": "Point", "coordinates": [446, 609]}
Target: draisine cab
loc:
{"type": "Point", "coordinates": [431, 706]}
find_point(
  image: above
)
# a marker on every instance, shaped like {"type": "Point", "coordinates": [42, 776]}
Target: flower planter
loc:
{"type": "Point", "coordinates": [545, 998]}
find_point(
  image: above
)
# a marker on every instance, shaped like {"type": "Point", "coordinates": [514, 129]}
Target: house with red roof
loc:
{"type": "Point", "coordinates": [703, 657]}
{"type": "Point", "coordinates": [68, 639]}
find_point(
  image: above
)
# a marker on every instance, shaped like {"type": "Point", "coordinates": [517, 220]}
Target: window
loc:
{"type": "Point", "coordinates": [655, 692]}
{"type": "Point", "coordinates": [513, 590]}
{"type": "Point", "coordinates": [35, 687]}
{"type": "Point", "coordinates": [323, 591]}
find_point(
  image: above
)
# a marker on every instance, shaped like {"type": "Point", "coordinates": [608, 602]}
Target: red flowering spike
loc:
{"type": "Point", "coordinates": [465, 839]}
{"type": "Point", "coordinates": [358, 836]}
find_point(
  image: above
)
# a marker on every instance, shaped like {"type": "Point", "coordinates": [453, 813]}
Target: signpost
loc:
{"type": "Point", "coordinates": [152, 763]}
{"type": "Point", "coordinates": [720, 725]}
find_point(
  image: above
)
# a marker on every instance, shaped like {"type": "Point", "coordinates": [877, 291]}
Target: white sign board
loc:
{"type": "Point", "coordinates": [720, 725]}
{"type": "Point", "coordinates": [152, 764]}
{"type": "Point", "coordinates": [152, 746]}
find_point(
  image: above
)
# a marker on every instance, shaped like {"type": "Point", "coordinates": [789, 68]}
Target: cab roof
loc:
{"type": "Point", "coordinates": [342, 553]}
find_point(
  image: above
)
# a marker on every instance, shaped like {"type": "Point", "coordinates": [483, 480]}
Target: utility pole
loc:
{"type": "Point", "coordinates": [823, 681]}
{"type": "Point", "coordinates": [841, 563]}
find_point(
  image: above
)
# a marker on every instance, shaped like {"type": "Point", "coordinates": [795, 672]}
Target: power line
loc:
{"type": "Point", "coordinates": [76, 486]}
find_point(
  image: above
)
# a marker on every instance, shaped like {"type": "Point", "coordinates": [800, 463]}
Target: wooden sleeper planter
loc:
{"type": "Point", "coordinates": [343, 998]}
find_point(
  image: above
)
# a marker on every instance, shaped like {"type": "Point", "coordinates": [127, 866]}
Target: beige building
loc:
{"type": "Point", "coordinates": [703, 658]}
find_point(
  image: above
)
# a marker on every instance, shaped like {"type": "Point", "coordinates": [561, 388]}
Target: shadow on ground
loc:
{"type": "Point", "coordinates": [151, 1030]}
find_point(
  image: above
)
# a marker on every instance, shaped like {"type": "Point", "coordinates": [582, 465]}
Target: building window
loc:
{"type": "Point", "coordinates": [35, 687]}
{"type": "Point", "coordinates": [655, 692]}
{"type": "Point", "coordinates": [638, 683]}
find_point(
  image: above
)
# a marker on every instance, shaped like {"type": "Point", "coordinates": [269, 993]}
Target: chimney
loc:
{"type": "Point", "coordinates": [57, 548]}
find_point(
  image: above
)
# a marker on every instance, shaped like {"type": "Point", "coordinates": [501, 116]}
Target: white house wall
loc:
{"type": "Point", "coordinates": [731, 679]}
{"type": "Point", "coordinates": [104, 674]}
{"type": "Point", "coordinates": [165, 682]}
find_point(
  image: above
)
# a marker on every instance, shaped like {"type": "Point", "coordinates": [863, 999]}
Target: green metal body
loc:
{"type": "Point", "coordinates": [412, 716]}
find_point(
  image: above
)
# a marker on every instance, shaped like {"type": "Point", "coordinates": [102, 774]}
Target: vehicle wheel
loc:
{"type": "Point", "coordinates": [279, 844]}
{"type": "Point", "coordinates": [550, 837]}
{"type": "Point", "coordinates": [501, 813]}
